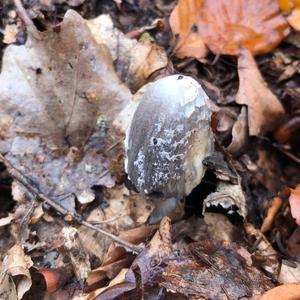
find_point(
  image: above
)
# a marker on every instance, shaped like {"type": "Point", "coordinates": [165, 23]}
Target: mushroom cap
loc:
{"type": "Point", "coordinates": [169, 137]}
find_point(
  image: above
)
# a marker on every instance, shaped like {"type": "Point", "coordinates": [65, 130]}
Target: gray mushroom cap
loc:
{"type": "Point", "coordinates": [169, 137]}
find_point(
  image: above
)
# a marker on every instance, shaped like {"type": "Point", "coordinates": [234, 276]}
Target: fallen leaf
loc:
{"type": "Point", "coordinates": [291, 7]}
{"type": "Point", "coordinates": [239, 133]}
{"type": "Point", "coordinates": [289, 291]}
{"type": "Point", "coordinates": [17, 264]}
{"type": "Point", "coordinates": [213, 270]}
{"type": "Point", "coordinates": [135, 61]}
{"type": "Point", "coordinates": [265, 111]}
{"type": "Point", "coordinates": [205, 269]}
{"type": "Point", "coordinates": [57, 91]}
{"type": "Point", "coordinates": [10, 33]}
{"type": "Point", "coordinates": [264, 254]}
{"type": "Point", "coordinates": [5, 221]}
{"type": "Point", "coordinates": [295, 203]}
{"type": "Point", "coordinates": [227, 196]}
{"type": "Point", "coordinates": [289, 274]}
{"type": "Point", "coordinates": [274, 206]}
{"type": "Point", "coordinates": [183, 21]}
{"type": "Point", "coordinates": [226, 26]}
{"type": "Point", "coordinates": [76, 253]}
{"type": "Point", "coordinates": [220, 228]}
{"type": "Point", "coordinates": [294, 19]}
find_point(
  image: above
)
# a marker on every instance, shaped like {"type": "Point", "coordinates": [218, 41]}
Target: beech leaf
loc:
{"type": "Point", "coordinates": [265, 111]}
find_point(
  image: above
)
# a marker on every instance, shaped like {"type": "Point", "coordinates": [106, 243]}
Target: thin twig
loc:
{"type": "Point", "coordinates": [16, 174]}
{"type": "Point", "coordinates": [21, 11]}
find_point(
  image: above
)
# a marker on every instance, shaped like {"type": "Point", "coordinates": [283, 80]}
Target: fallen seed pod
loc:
{"type": "Point", "coordinates": [169, 136]}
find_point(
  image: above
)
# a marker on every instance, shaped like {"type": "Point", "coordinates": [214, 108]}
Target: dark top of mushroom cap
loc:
{"type": "Point", "coordinates": [171, 117]}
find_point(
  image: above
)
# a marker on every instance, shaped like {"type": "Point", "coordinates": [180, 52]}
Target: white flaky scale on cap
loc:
{"type": "Point", "coordinates": [168, 139]}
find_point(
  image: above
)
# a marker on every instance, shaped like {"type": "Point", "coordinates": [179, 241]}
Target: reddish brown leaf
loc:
{"type": "Point", "coordinates": [264, 109]}
{"type": "Point", "coordinates": [183, 19]}
{"type": "Point", "coordinates": [295, 203]}
{"type": "Point", "coordinates": [226, 26]}
{"type": "Point", "coordinates": [289, 291]}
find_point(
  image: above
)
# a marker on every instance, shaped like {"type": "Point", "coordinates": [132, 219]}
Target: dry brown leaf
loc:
{"type": "Point", "coordinates": [17, 264]}
{"type": "Point", "coordinates": [295, 203]}
{"type": "Point", "coordinates": [290, 291]}
{"type": "Point", "coordinates": [55, 95]}
{"type": "Point", "coordinates": [239, 133]}
{"type": "Point", "coordinates": [220, 228]}
{"type": "Point", "coordinates": [135, 236]}
{"type": "Point", "coordinates": [183, 20]}
{"type": "Point", "coordinates": [209, 272]}
{"type": "Point", "coordinates": [226, 26]}
{"type": "Point", "coordinates": [274, 206]}
{"type": "Point", "coordinates": [264, 253]}
{"type": "Point", "coordinates": [136, 61]}
{"type": "Point", "coordinates": [194, 273]}
{"type": "Point", "coordinates": [265, 111]}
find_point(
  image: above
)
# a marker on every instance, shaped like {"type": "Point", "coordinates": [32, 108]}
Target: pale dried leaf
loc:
{"type": "Point", "coordinates": [57, 92]}
{"type": "Point", "coordinates": [239, 133]}
{"type": "Point", "coordinates": [17, 263]}
{"type": "Point", "coordinates": [228, 196]}
{"type": "Point", "coordinates": [265, 111]}
{"type": "Point", "coordinates": [7, 287]}
{"type": "Point", "coordinates": [10, 34]}
{"type": "Point", "coordinates": [264, 253]}
{"type": "Point", "coordinates": [289, 274]}
{"type": "Point", "coordinates": [136, 61]}
{"type": "Point", "coordinates": [78, 256]}
{"type": "Point", "coordinates": [5, 221]}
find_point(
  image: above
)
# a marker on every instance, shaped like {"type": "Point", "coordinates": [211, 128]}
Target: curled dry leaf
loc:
{"type": "Point", "coordinates": [226, 26]}
{"type": "Point", "coordinates": [265, 111]}
{"type": "Point", "coordinates": [274, 206]}
{"type": "Point", "coordinates": [17, 264]}
{"type": "Point", "coordinates": [55, 95]}
{"type": "Point", "coordinates": [228, 196]}
{"type": "Point", "coordinates": [295, 203]}
{"type": "Point", "coordinates": [239, 133]}
{"type": "Point", "coordinates": [76, 253]}
{"type": "Point", "coordinates": [290, 291]}
{"type": "Point", "coordinates": [264, 253]}
{"type": "Point", "coordinates": [135, 61]}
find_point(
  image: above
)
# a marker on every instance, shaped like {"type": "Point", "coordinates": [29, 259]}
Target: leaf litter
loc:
{"type": "Point", "coordinates": [66, 101]}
